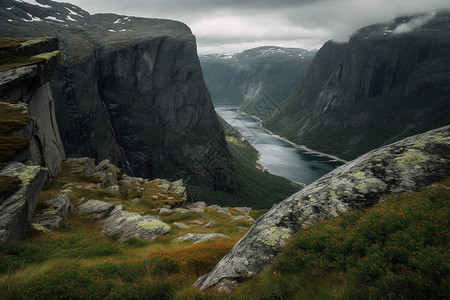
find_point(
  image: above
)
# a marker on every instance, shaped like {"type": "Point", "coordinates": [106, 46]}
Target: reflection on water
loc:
{"type": "Point", "coordinates": [279, 157]}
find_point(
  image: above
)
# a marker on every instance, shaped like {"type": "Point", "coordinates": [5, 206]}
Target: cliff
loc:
{"type": "Point", "coordinates": [407, 165]}
{"type": "Point", "coordinates": [128, 89]}
{"type": "Point", "coordinates": [388, 82]}
{"type": "Point", "coordinates": [30, 145]}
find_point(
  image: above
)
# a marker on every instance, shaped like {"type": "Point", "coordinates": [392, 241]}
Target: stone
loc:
{"type": "Point", "coordinates": [57, 214]}
{"type": "Point", "coordinates": [245, 218]}
{"type": "Point", "coordinates": [107, 173]}
{"type": "Point", "coordinates": [16, 211]}
{"type": "Point", "coordinates": [405, 166]}
{"type": "Point", "coordinates": [220, 209]}
{"type": "Point", "coordinates": [114, 189]}
{"type": "Point", "coordinates": [210, 224]}
{"type": "Point", "coordinates": [165, 211]}
{"type": "Point", "coordinates": [200, 237]}
{"type": "Point", "coordinates": [86, 165]}
{"type": "Point", "coordinates": [98, 209]}
{"type": "Point", "coordinates": [181, 225]}
{"type": "Point", "coordinates": [127, 225]}
{"type": "Point", "coordinates": [199, 204]}
{"type": "Point", "coordinates": [244, 210]}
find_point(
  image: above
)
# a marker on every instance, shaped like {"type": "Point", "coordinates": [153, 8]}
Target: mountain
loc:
{"type": "Point", "coordinates": [128, 89]}
{"type": "Point", "coordinates": [257, 79]}
{"type": "Point", "coordinates": [388, 82]}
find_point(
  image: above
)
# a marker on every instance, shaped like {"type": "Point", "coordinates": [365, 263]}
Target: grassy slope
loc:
{"type": "Point", "coordinates": [79, 262]}
{"type": "Point", "coordinates": [258, 188]}
{"type": "Point", "coordinates": [397, 249]}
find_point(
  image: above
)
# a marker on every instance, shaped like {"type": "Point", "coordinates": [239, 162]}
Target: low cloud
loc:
{"type": "Point", "coordinates": [414, 23]}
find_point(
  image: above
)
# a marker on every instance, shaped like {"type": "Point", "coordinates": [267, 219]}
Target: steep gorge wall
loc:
{"type": "Point", "coordinates": [379, 87]}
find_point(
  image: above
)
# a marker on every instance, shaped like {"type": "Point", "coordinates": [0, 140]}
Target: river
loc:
{"type": "Point", "coordinates": [277, 156]}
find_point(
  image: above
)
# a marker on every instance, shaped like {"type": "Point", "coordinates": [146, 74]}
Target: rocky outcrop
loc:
{"type": "Point", "coordinates": [17, 210]}
{"type": "Point", "coordinates": [407, 165]}
{"type": "Point", "coordinates": [129, 90]}
{"type": "Point", "coordinates": [28, 83]}
{"type": "Point", "coordinates": [98, 209]}
{"type": "Point", "coordinates": [132, 225]}
{"type": "Point", "coordinates": [383, 85]}
{"type": "Point", "coordinates": [56, 215]}
{"type": "Point", "coordinates": [200, 237]}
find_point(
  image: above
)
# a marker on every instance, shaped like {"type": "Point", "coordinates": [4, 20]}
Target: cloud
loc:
{"type": "Point", "coordinates": [231, 25]}
{"type": "Point", "coordinates": [414, 23]}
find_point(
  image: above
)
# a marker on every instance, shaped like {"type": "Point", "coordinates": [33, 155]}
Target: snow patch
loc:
{"type": "Point", "coordinates": [53, 19]}
{"type": "Point", "coordinates": [117, 22]}
{"type": "Point", "coordinates": [33, 2]}
{"type": "Point", "coordinates": [9, 8]}
{"type": "Point", "coordinates": [414, 23]}
{"type": "Point", "coordinates": [122, 30]}
{"type": "Point", "coordinates": [111, 30]}
{"type": "Point", "coordinates": [33, 18]}
{"type": "Point", "coordinates": [70, 18]}
{"type": "Point", "coordinates": [9, 20]}
{"type": "Point", "coordinates": [71, 12]}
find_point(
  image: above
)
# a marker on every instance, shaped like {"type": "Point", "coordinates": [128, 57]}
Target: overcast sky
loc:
{"type": "Point", "coordinates": [223, 26]}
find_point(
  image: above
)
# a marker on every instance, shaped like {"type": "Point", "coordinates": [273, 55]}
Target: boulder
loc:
{"type": "Point", "coordinates": [244, 210]}
{"type": "Point", "coordinates": [17, 210]}
{"type": "Point", "coordinates": [404, 166]}
{"type": "Point", "coordinates": [107, 173]}
{"type": "Point", "coordinates": [220, 209]}
{"type": "Point", "coordinates": [57, 213]}
{"type": "Point", "coordinates": [128, 225]}
{"type": "Point", "coordinates": [98, 209]}
{"type": "Point", "coordinates": [210, 224]}
{"type": "Point", "coordinates": [200, 237]}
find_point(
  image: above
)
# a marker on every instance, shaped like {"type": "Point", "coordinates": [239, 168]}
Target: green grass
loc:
{"type": "Point", "coordinates": [257, 188]}
{"type": "Point", "coordinates": [396, 250]}
{"type": "Point", "coordinates": [10, 43]}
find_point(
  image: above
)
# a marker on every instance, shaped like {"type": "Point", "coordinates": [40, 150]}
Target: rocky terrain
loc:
{"type": "Point", "coordinates": [30, 145]}
{"type": "Point", "coordinates": [388, 82]}
{"type": "Point", "coordinates": [407, 165]}
{"type": "Point", "coordinates": [257, 79]}
{"type": "Point", "coordinates": [128, 89]}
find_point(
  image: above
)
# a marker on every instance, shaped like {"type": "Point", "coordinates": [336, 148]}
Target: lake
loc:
{"type": "Point", "coordinates": [277, 156]}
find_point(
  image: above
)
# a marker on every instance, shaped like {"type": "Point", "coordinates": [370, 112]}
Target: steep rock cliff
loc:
{"type": "Point", "coordinates": [404, 166]}
{"type": "Point", "coordinates": [389, 81]}
{"type": "Point", "coordinates": [129, 90]}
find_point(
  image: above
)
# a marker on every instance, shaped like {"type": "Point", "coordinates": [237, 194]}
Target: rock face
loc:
{"type": "Point", "coordinates": [17, 210]}
{"type": "Point", "coordinates": [30, 85]}
{"type": "Point", "coordinates": [129, 90]}
{"type": "Point", "coordinates": [385, 84]}
{"type": "Point", "coordinates": [407, 165]}
{"type": "Point", "coordinates": [257, 79]}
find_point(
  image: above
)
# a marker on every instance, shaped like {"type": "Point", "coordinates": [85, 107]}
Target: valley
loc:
{"type": "Point", "coordinates": [135, 166]}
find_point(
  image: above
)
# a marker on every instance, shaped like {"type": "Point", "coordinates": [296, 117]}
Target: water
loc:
{"type": "Point", "coordinates": [278, 156]}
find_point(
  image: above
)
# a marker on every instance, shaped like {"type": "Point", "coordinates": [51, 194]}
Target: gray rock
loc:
{"type": "Point", "coordinates": [87, 165]}
{"type": "Point", "coordinates": [127, 225]}
{"type": "Point", "coordinates": [17, 210]}
{"type": "Point", "coordinates": [57, 213]}
{"type": "Point", "coordinates": [165, 211]}
{"type": "Point", "coordinates": [199, 204]}
{"type": "Point", "coordinates": [407, 165]}
{"type": "Point", "coordinates": [98, 209]}
{"type": "Point", "coordinates": [114, 189]}
{"type": "Point", "coordinates": [210, 224]}
{"type": "Point", "coordinates": [107, 173]}
{"type": "Point", "coordinates": [177, 184]}
{"type": "Point", "coordinates": [244, 210]}
{"type": "Point", "coordinates": [245, 218]}
{"type": "Point", "coordinates": [181, 225]}
{"type": "Point", "coordinates": [220, 209]}
{"type": "Point", "coordinates": [200, 237]}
